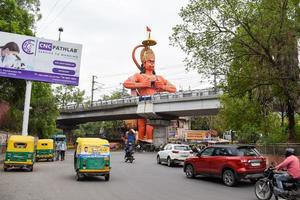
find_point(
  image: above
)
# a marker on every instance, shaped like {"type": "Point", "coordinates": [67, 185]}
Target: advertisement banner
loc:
{"type": "Point", "coordinates": [197, 134]}
{"type": "Point", "coordinates": [38, 59]}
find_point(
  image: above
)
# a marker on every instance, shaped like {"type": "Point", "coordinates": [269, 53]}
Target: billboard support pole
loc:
{"type": "Point", "coordinates": [26, 108]}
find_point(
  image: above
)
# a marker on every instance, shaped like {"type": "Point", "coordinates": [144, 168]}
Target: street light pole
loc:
{"type": "Point", "coordinates": [60, 30]}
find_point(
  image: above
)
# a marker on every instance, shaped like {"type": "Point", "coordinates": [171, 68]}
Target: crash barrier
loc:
{"type": "Point", "coordinates": [133, 100]}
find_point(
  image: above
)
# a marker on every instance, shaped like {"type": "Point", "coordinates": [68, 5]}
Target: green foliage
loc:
{"type": "Point", "coordinates": [250, 45]}
{"type": "Point", "coordinates": [105, 129]}
{"type": "Point", "coordinates": [44, 112]}
{"type": "Point", "coordinates": [117, 94]}
{"type": "Point", "coordinates": [200, 123]}
{"type": "Point", "coordinates": [239, 111]}
{"type": "Point", "coordinates": [244, 115]}
{"type": "Point", "coordinates": [65, 95]}
{"type": "Point", "coordinates": [19, 16]}
{"type": "Point", "coordinates": [206, 123]}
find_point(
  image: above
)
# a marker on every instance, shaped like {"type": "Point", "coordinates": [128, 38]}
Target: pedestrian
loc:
{"type": "Point", "coordinates": [57, 149]}
{"type": "Point", "coordinates": [63, 148]}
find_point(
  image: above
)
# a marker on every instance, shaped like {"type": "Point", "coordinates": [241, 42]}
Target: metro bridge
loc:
{"type": "Point", "coordinates": [165, 106]}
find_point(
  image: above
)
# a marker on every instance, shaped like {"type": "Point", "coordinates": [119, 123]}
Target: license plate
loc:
{"type": "Point", "coordinates": [255, 164]}
{"type": "Point", "coordinates": [184, 155]}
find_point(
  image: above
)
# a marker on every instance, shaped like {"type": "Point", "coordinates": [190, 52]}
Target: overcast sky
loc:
{"type": "Point", "coordinates": [109, 30]}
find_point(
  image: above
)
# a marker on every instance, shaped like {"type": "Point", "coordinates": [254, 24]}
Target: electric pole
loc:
{"type": "Point", "coordinates": [93, 89]}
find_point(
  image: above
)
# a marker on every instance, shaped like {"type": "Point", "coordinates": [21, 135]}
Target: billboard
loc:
{"type": "Point", "coordinates": [39, 59]}
{"type": "Point", "coordinates": [197, 135]}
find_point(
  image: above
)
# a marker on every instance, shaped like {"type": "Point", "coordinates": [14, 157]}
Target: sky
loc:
{"type": "Point", "coordinates": [109, 30]}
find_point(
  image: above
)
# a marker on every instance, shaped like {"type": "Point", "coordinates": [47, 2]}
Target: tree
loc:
{"type": "Point", "coordinates": [44, 112]}
{"type": "Point", "coordinates": [65, 94]}
{"type": "Point", "coordinates": [106, 129]}
{"type": "Point", "coordinates": [19, 16]}
{"type": "Point", "coordinates": [252, 44]}
{"type": "Point", "coordinates": [205, 123]}
{"type": "Point", "coordinates": [117, 94]}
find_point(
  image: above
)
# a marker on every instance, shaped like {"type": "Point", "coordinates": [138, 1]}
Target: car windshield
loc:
{"type": "Point", "coordinates": [245, 151]}
{"type": "Point", "coordinates": [183, 148]}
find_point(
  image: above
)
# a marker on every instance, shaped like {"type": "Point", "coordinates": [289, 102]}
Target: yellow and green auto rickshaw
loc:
{"type": "Point", "coordinates": [92, 158]}
{"type": "Point", "coordinates": [19, 152]}
{"type": "Point", "coordinates": [44, 150]}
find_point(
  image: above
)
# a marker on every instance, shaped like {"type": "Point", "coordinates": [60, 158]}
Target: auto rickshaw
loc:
{"type": "Point", "coordinates": [92, 158]}
{"type": "Point", "coordinates": [19, 152]}
{"type": "Point", "coordinates": [45, 150]}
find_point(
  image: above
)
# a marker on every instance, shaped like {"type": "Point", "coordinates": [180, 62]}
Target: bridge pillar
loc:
{"type": "Point", "coordinates": [160, 135]}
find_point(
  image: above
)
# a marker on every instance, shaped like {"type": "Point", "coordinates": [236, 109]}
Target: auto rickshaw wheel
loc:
{"type": "Point", "coordinates": [5, 168]}
{"type": "Point", "coordinates": [79, 176]}
{"type": "Point", "coordinates": [30, 168]}
{"type": "Point", "coordinates": [106, 176]}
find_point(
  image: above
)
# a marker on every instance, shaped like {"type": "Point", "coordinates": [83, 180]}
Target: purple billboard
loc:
{"type": "Point", "coordinates": [37, 59]}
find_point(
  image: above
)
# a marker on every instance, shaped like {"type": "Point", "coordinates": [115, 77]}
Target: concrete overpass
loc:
{"type": "Point", "coordinates": [160, 106]}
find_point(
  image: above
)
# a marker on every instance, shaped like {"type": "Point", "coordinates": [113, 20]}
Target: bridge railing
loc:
{"type": "Point", "coordinates": [137, 99]}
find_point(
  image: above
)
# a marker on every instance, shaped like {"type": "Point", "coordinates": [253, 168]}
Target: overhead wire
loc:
{"type": "Point", "coordinates": [56, 17]}
{"type": "Point", "coordinates": [49, 14]}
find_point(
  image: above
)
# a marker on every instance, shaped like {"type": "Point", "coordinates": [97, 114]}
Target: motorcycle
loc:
{"type": "Point", "coordinates": [266, 187]}
{"type": "Point", "coordinates": [129, 151]}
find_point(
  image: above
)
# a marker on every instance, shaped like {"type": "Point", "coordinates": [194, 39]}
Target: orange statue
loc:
{"type": "Point", "coordinates": [146, 82]}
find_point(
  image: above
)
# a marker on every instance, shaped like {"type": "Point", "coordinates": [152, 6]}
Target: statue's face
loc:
{"type": "Point", "coordinates": [149, 64]}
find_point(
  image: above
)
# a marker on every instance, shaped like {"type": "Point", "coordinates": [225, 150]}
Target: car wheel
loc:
{"type": "Point", "coordinates": [229, 178]}
{"type": "Point", "coordinates": [169, 162]}
{"type": "Point", "coordinates": [189, 171]}
{"type": "Point", "coordinates": [158, 160]}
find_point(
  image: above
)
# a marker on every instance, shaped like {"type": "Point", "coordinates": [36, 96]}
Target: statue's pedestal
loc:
{"type": "Point", "coordinates": [160, 135]}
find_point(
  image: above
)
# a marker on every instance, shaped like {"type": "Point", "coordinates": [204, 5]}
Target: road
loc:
{"type": "Point", "coordinates": [141, 180]}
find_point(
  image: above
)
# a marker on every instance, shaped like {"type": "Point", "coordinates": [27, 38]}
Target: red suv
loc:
{"type": "Point", "coordinates": [230, 162]}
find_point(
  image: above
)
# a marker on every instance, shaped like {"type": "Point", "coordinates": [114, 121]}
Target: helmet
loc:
{"type": "Point", "coordinates": [289, 152]}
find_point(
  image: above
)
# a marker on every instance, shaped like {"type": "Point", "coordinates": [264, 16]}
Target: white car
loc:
{"type": "Point", "coordinates": [174, 154]}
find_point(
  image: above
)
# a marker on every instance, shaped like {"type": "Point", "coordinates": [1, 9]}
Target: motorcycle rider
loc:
{"type": "Point", "coordinates": [130, 139]}
{"type": "Point", "coordinates": [292, 166]}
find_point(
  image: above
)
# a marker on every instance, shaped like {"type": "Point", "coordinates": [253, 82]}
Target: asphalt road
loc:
{"type": "Point", "coordinates": [141, 180]}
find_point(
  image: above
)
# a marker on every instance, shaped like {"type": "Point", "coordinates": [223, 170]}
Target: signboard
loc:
{"type": "Point", "coordinates": [38, 59]}
{"type": "Point", "coordinates": [197, 135]}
